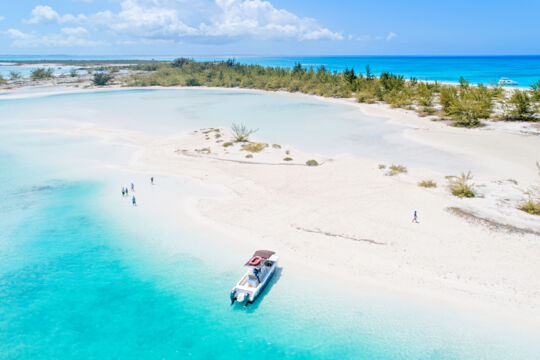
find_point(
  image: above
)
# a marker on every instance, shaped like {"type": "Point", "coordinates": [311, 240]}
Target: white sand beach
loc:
{"type": "Point", "coordinates": [355, 222]}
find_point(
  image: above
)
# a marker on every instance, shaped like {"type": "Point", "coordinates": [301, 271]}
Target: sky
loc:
{"type": "Point", "coordinates": [269, 28]}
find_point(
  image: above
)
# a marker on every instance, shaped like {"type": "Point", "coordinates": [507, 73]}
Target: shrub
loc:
{"type": "Point", "coordinates": [227, 144]}
{"type": "Point", "coordinates": [254, 147]}
{"type": "Point", "coordinates": [287, 159]}
{"type": "Point", "coordinates": [396, 169]}
{"type": "Point", "coordinates": [461, 186]}
{"type": "Point", "coordinates": [14, 75]}
{"type": "Point", "coordinates": [73, 72]}
{"type": "Point", "coordinates": [276, 146]}
{"type": "Point", "coordinates": [2, 80]}
{"type": "Point", "coordinates": [42, 73]}
{"type": "Point", "coordinates": [249, 156]}
{"type": "Point", "coordinates": [520, 106]}
{"type": "Point", "coordinates": [382, 166]}
{"type": "Point", "coordinates": [192, 82]}
{"type": "Point", "coordinates": [241, 133]}
{"type": "Point", "coordinates": [205, 150]}
{"type": "Point", "coordinates": [101, 78]}
{"type": "Point", "coordinates": [530, 207]}
{"type": "Point", "coordinates": [312, 163]}
{"type": "Point", "coordinates": [427, 184]}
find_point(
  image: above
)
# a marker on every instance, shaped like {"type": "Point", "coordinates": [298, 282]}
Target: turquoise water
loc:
{"type": "Point", "coordinates": [525, 70]}
{"type": "Point", "coordinates": [85, 275]}
{"type": "Point", "coordinates": [307, 124]}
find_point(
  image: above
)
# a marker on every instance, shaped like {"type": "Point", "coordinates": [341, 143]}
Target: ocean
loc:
{"type": "Point", "coordinates": [524, 70]}
{"type": "Point", "coordinates": [86, 275]}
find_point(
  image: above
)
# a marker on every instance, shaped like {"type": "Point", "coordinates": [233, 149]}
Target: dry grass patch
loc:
{"type": "Point", "coordinates": [396, 169]}
{"type": "Point", "coordinates": [427, 184]}
{"type": "Point", "coordinates": [254, 147]}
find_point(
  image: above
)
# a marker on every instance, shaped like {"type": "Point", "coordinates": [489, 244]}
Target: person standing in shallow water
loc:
{"type": "Point", "coordinates": [123, 192]}
{"type": "Point", "coordinates": [132, 187]}
{"type": "Point", "coordinates": [133, 201]}
{"type": "Point", "coordinates": [415, 217]}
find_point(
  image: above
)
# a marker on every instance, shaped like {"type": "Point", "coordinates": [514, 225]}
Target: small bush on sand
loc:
{"type": "Point", "coordinates": [42, 73]}
{"type": "Point", "coordinates": [254, 147]}
{"type": "Point", "coordinates": [312, 163]}
{"type": "Point", "coordinates": [249, 156]}
{"type": "Point", "coordinates": [101, 78]}
{"type": "Point", "coordinates": [396, 169]}
{"type": "Point", "coordinates": [204, 150]}
{"type": "Point", "coordinates": [287, 152]}
{"type": "Point", "coordinates": [461, 186]}
{"type": "Point", "coordinates": [382, 166]}
{"type": "Point", "coordinates": [427, 184]}
{"type": "Point", "coordinates": [287, 159]}
{"type": "Point", "coordinates": [530, 207]}
{"type": "Point", "coordinates": [241, 133]}
{"type": "Point", "coordinates": [227, 144]}
{"type": "Point", "coordinates": [276, 146]}
{"type": "Point", "coordinates": [14, 75]}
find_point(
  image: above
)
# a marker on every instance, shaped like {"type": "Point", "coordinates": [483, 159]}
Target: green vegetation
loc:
{"type": "Point", "coordinates": [461, 186]}
{"type": "Point", "coordinates": [520, 106]}
{"type": "Point", "coordinates": [249, 156]}
{"type": "Point", "coordinates": [101, 78]}
{"type": "Point", "coordinates": [288, 159]}
{"type": "Point", "coordinates": [530, 207]}
{"type": "Point", "coordinates": [427, 184]}
{"type": "Point", "coordinates": [465, 105]}
{"type": "Point", "coordinates": [241, 133]}
{"type": "Point", "coordinates": [276, 146]}
{"type": "Point", "coordinates": [254, 147]}
{"type": "Point", "coordinates": [227, 144]}
{"type": "Point", "coordinates": [14, 75]}
{"type": "Point", "coordinates": [312, 163]}
{"type": "Point", "coordinates": [73, 72]}
{"type": "Point", "coordinates": [396, 169]}
{"type": "Point", "coordinates": [42, 73]}
{"type": "Point", "coordinates": [2, 80]}
{"type": "Point", "coordinates": [205, 150]}
{"type": "Point", "coordinates": [382, 166]}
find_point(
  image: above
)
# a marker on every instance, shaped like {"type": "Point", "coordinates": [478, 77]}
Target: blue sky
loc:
{"type": "Point", "coordinates": [274, 27]}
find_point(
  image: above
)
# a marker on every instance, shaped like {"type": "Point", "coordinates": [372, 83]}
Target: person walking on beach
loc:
{"type": "Point", "coordinates": [415, 217]}
{"type": "Point", "coordinates": [127, 192]}
{"type": "Point", "coordinates": [152, 180]}
{"type": "Point", "coordinates": [132, 187]}
{"type": "Point", "coordinates": [123, 192]}
{"type": "Point", "coordinates": [133, 201]}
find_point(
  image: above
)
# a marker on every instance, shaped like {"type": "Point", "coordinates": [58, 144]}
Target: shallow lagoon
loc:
{"type": "Point", "coordinates": [85, 275]}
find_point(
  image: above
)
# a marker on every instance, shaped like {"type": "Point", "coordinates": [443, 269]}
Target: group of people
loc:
{"type": "Point", "coordinates": [125, 191]}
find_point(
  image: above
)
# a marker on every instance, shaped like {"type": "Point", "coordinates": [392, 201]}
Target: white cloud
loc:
{"type": "Point", "coordinates": [262, 20]}
{"type": "Point", "coordinates": [46, 14]}
{"type": "Point", "coordinates": [67, 38]}
{"type": "Point", "coordinates": [390, 36]}
{"type": "Point", "coordinates": [74, 31]}
{"type": "Point", "coordinates": [173, 19]}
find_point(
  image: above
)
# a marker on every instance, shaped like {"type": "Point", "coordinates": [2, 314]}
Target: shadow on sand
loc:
{"type": "Point", "coordinates": [253, 306]}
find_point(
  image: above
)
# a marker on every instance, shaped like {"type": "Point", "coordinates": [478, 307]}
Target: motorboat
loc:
{"type": "Point", "coordinates": [506, 81]}
{"type": "Point", "coordinates": [260, 269]}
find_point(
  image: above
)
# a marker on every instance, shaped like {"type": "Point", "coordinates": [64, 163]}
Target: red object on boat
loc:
{"type": "Point", "coordinates": [256, 260]}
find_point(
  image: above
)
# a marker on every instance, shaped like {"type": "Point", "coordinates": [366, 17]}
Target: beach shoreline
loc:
{"type": "Point", "coordinates": [494, 274]}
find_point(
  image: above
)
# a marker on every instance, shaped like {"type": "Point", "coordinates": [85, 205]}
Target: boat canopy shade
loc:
{"type": "Point", "coordinates": [264, 254]}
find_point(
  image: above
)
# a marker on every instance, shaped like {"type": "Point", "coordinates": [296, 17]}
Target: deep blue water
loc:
{"type": "Point", "coordinates": [525, 70]}
{"type": "Point", "coordinates": [84, 275]}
